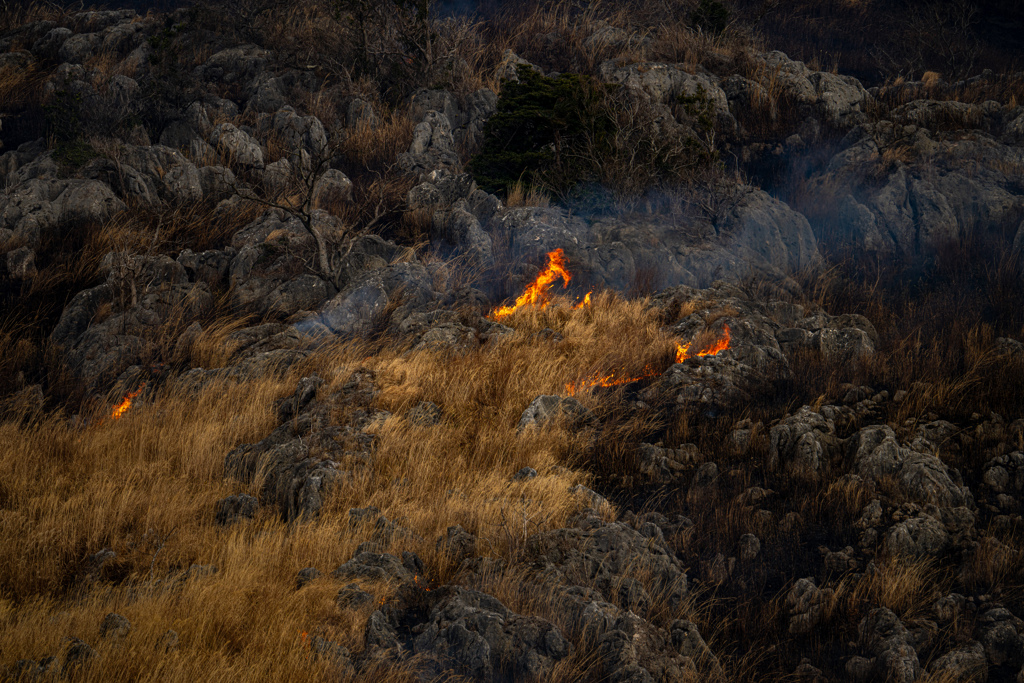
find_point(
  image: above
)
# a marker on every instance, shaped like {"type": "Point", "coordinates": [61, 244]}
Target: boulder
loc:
{"type": "Point", "coordinates": [236, 146]}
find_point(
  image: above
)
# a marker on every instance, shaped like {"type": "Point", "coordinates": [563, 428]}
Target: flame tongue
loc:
{"type": "Point", "coordinates": [126, 403]}
{"type": "Point", "coordinates": [537, 292]}
{"type": "Point", "coordinates": [721, 344]}
{"type": "Point", "coordinates": [682, 353]}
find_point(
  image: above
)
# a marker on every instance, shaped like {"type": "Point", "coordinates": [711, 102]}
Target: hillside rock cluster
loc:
{"type": "Point", "coordinates": [898, 182]}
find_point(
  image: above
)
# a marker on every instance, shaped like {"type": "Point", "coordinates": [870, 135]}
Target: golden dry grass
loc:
{"type": "Point", "coordinates": [145, 486]}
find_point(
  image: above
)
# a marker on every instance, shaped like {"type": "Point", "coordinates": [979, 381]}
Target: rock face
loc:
{"type": "Point", "coordinates": [902, 187]}
{"type": "Point", "coordinates": [757, 234]}
{"type": "Point", "coordinates": [472, 633]}
{"type": "Point", "coordinates": [306, 456]}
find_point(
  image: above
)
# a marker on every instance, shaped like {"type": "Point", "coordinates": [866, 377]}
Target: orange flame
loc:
{"type": "Point", "coordinates": [537, 291]}
{"type": "Point", "coordinates": [126, 403]}
{"type": "Point", "coordinates": [682, 353]}
{"type": "Point", "coordinates": [721, 344]}
{"type": "Point", "coordinates": [585, 303]}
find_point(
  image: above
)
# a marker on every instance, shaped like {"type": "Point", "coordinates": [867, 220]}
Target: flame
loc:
{"type": "Point", "coordinates": [721, 344]}
{"type": "Point", "coordinates": [305, 639]}
{"type": "Point", "coordinates": [537, 291]}
{"type": "Point", "coordinates": [423, 587]}
{"type": "Point", "coordinates": [682, 353]}
{"type": "Point", "coordinates": [585, 303]}
{"type": "Point", "coordinates": [126, 403]}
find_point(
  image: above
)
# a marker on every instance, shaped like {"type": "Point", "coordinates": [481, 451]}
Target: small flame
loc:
{"type": "Point", "coordinates": [682, 353]}
{"type": "Point", "coordinates": [305, 639]}
{"type": "Point", "coordinates": [585, 303]}
{"type": "Point", "coordinates": [424, 587]}
{"type": "Point", "coordinates": [537, 292]}
{"type": "Point", "coordinates": [126, 403]}
{"type": "Point", "coordinates": [721, 344]}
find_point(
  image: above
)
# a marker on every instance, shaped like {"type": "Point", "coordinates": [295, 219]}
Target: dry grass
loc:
{"type": "Point", "coordinates": [145, 486]}
{"type": "Point", "coordinates": [375, 147]}
{"type": "Point", "coordinates": [523, 195]}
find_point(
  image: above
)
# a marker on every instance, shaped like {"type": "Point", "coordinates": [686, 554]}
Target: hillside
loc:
{"type": "Point", "coordinates": [402, 341]}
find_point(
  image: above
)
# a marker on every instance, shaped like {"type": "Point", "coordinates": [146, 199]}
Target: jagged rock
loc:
{"type": "Point", "coordinates": [332, 191]}
{"type": "Point", "coordinates": [218, 182]}
{"type": "Point", "coordinates": [802, 444]}
{"type": "Point", "coordinates": [457, 544]}
{"type": "Point", "coordinates": [923, 477]}
{"type": "Point", "coordinates": [607, 554]}
{"type": "Point", "coordinates": [917, 537]}
{"type": "Point", "coordinates": [662, 465]}
{"type": "Point", "coordinates": [807, 605]}
{"type": "Point", "coordinates": [466, 631]}
{"type": "Point", "coordinates": [143, 293]}
{"type": "Point", "coordinates": [236, 146]}
{"type": "Point", "coordinates": [306, 575]}
{"type": "Point", "coordinates": [634, 650]}
{"type": "Point", "coordinates": [182, 136]}
{"type": "Point", "coordinates": [749, 547]}
{"type": "Point", "coordinates": [304, 293]}
{"type": "Point", "coordinates": [235, 508]}
{"type": "Point", "coordinates": [964, 664]}
{"type": "Point", "coordinates": [839, 100]}
{"type": "Point", "coordinates": [525, 474]}
{"type": "Point", "coordinates": [77, 656]}
{"type": "Point", "coordinates": [21, 263]}
{"type": "Point", "coordinates": [360, 306]}
{"type": "Point", "coordinates": [300, 135]}
{"type": "Point", "coordinates": [115, 627]}
{"type": "Point", "coordinates": [235, 65]}
{"type": "Point", "coordinates": [432, 148]}
{"type": "Point", "coordinates": [49, 45]}
{"type": "Point", "coordinates": [546, 408]}
{"type": "Point", "coordinates": [885, 637]}
{"type": "Point", "coordinates": [374, 567]}
{"type": "Point", "coordinates": [458, 230]}
{"type": "Point", "coordinates": [353, 597]}
{"type": "Point", "coordinates": [176, 179]}
{"type": "Point", "coordinates": [999, 632]}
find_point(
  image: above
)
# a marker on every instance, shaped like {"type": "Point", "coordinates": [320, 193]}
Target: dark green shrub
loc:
{"type": "Point", "coordinates": [545, 131]}
{"type": "Point", "coordinates": [711, 16]}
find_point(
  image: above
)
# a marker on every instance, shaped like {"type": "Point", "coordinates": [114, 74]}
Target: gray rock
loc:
{"type": "Point", "coordinates": [302, 136]}
{"type": "Point", "coordinates": [374, 567]}
{"type": "Point", "coordinates": [749, 547]}
{"type": "Point", "coordinates": [236, 146]}
{"type": "Point", "coordinates": [78, 48]}
{"type": "Point", "coordinates": [307, 575]}
{"type": "Point", "coordinates": [332, 191]}
{"type": "Point", "coordinates": [999, 632]}
{"type": "Point", "coordinates": [885, 637]}
{"type": "Point", "coordinates": [353, 597]}
{"type": "Point", "coordinates": [965, 663]}
{"type": "Point", "coordinates": [432, 148]}
{"type": "Point", "coordinates": [356, 309]}
{"type": "Point", "coordinates": [546, 408]}
{"type": "Point", "coordinates": [304, 293]}
{"type": "Point", "coordinates": [802, 444]}
{"type": "Point", "coordinates": [48, 47]}
{"type": "Point", "coordinates": [919, 536]}
{"type": "Point", "coordinates": [235, 508]}
{"type": "Point", "coordinates": [115, 627]}
{"type": "Point", "coordinates": [525, 474]}
{"type": "Point", "coordinates": [77, 656]}
{"type": "Point", "coordinates": [806, 603]}
{"type": "Point", "coordinates": [476, 635]}
{"type": "Point", "coordinates": [457, 544]}
{"type": "Point", "coordinates": [21, 263]}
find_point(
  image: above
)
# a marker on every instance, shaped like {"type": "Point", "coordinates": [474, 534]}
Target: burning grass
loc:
{"type": "Point", "coordinates": [145, 486]}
